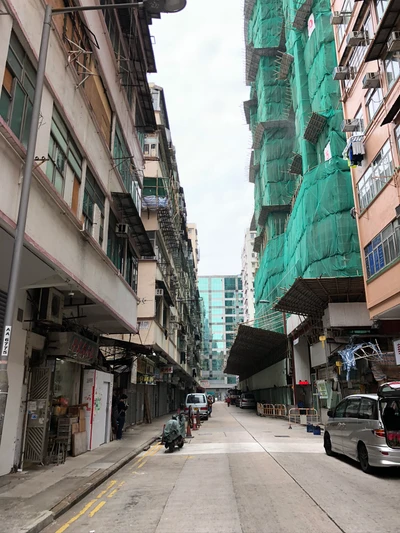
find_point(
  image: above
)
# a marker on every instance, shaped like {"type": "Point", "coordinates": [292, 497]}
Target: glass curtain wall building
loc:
{"type": "Point", "coordinates": [222, 306]}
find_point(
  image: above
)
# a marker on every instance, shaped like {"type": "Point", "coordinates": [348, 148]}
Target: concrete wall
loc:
{"type": "Point", "coordinates": [347, 314]}
{"type": "Point", "coordinates": [273, 376]}
{"type": "Point", "coordinates": [301, 360]}
{"type": "Point", "coordinates": [317, 354]}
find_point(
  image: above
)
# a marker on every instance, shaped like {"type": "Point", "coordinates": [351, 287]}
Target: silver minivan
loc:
{"type": "Point", "coordinates": [366, 427]}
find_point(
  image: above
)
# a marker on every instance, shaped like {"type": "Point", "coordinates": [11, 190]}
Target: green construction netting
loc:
{"type": "Point", "coordinates": [318, 238]}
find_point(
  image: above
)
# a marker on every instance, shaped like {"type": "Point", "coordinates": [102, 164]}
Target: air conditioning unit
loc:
{"type": "Point", "coordinates": [51, 306]}
{"type": "Point", "coordinates": [393, 42]}
{"type": "Point", "coordinates": [159, 293]}
{"type": "Point", "coordinates": [353, 124]}
{"type": "Point", "coordinates": [122, 230]}
{"type": "Point", "coordinates": [338, 17]}
{"type": "Point", "coordinates": [371, 80]}
{"type": "Point", "coordinates": [356, 38]}
{"type": "Point", "coordinates": [344, 73]}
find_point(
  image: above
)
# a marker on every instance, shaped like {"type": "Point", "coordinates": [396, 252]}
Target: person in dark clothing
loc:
{"type": "Point", "coordinates": [114, 414]}
{"type": "Point", "coordinates": [122, 408]}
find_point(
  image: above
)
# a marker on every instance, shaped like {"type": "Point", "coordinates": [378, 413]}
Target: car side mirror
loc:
{"type": "Point", "coordinates": [331, 413]}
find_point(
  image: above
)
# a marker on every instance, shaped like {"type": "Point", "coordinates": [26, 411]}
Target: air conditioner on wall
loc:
{"type": "Point", "coordinates": [159, 293]}
{"type": "Point", "coordinates": [338, 17]}
{"type": "Point", "coordinates": [371, 80]}
{"type": "Point", "coordinates": [352, 124]}
{"type": "Point", "coordinates": [357, 38]}
{"type": "Point", "coordinates": [122, 230]}
{"type": "Point", "coordinates": [344, 73]}
{"type": "Point", "coordinates": [393, 42]}
{"type": "Point", "coordinates": [51, 306]}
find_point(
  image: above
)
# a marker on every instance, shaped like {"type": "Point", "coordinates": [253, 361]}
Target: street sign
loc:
{"type": "Point", "coordinates": [6, 342]}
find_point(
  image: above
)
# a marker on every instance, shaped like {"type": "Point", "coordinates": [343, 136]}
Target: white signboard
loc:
{"type": "Point", "coordinates": [328, 152]}
{"type": "Point", "coordinates": [311, 25]}
{"type": "Point", "coordinates": [396, 346]}
{"type": "Point", "coordinates": [205, 384]}
{"type": "Point", "coordinates": [6, 342]}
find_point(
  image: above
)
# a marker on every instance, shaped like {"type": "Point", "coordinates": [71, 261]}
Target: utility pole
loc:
{"type": "Point", "coordinates": [152, 6]}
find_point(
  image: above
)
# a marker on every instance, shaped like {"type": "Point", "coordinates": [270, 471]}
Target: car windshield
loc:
{"type": "Point", "coordinates": [192, 398]}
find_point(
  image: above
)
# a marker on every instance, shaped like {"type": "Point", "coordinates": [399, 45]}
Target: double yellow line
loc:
{"type": "Point", "coordinates": [106, 492]}
{"type": "Point", "coordinates": [90, 504]}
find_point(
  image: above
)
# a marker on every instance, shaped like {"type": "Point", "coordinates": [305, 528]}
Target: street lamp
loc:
{"type": "Point", "coordinates": [153, 7]}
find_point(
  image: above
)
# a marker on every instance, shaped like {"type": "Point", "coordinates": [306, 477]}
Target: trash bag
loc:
{"type": "Point", "coordinates": [172, 430]}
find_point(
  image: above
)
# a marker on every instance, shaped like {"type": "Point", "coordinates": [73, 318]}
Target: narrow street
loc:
{"type": "Point", "coordinates": [240, 473]}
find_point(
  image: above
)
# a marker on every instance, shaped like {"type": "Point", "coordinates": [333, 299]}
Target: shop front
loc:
{"type": "Point", "coordinates": [60, 411]}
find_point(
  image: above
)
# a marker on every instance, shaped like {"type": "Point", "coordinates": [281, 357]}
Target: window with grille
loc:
{"type": "Point", "coordinates": [376, 177]}
{"type": "Point", "coordinates": [16, 100]}
{"type": "Point", "coordinates": [383, 249]}
{"type": "Point", "coordinates": [93, 196]}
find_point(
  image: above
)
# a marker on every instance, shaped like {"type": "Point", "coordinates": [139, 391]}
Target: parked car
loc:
{"type": "Point", "coordinates": [247, 399]}
{"type": "Point", "coordinates": [198, 402]}
{"type": "Point", "coordinates": [366, 427]}
{"type": "Point", "coordinates": [234, 395]}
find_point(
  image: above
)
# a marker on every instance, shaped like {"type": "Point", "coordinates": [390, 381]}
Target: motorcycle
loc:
{"type": "Point", "coordinates": [175, 432]}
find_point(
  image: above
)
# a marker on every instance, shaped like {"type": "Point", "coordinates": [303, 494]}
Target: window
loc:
{"type": "Point", "coordinates": [359, 52]}
{"type": "Point", "coordinates": [123, 162]}
{"type": "Point", "coordinates": [376, 176]}
{"type": "Point", "coordinates": [368, 409]}
{"type": "Point", "coordinates": [347, 7]}
{"type": "Point", "coordinates": [93, 200]}
{"type": "Point", "coordinates": [352, 407]}
{"type": "Point", "coordinates": [339, 411]}
{"type": "Point", "coordinates": [392, 68]}
{"type": "Point", "coordinates": [230, 284]}
{"type": "Point", "coordinates": [18, 89]}
{"type": "Point", "coordinates": [383, 249]}
{"type": "Point", "coordinates": [63, 154]}
{"type": "Point", "coordinates": [131, 271]}
{"type": "Point", "coordinates": [397, 133]}
{"type": "Point", "coordinates": [374, 99]}
{"type": "Point", "coordinates": [114, 244]}
{"type": "Point", "coordinates": [380, 7]}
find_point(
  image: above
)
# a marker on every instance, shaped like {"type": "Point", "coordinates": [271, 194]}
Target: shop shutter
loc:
{"type": "Point", "coordinates": [3, 302]}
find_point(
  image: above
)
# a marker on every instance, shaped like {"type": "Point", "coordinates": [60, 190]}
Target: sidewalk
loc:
{"type": "Point", "coordinates": [31, 500]}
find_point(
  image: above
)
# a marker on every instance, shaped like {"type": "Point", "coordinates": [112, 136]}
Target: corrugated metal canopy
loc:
{"type": "Point", "coordinates": [389, 22]}
{"type": "Point", "coordinates": [254, 350]}
{"type": "Point", "coordinates": [130, 215]}
{"type": "Point", "coordinates": [310, 297]}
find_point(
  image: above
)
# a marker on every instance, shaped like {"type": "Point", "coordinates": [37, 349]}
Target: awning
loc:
{"type": "Point", "coordinates": [130, 215]}
{"type": "Point", "coordinates": [254, 350]}
{"type": "Point", "coordinates": [310, 297]}
{"type": "Point", "coordinates": [392, 112]}
{"type": "Point", "coordinates": [389, 22]}
{"type": "Point", "coordinates": [128, 348]}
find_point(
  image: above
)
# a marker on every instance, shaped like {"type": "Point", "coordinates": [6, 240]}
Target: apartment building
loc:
{"type": "Point", "coordinates": [222, 304]}
{"type": "Point", "coordinates": [368, 42]}
{"type": "Point", "coordinates": [249, 269]}
{"type": "Point", "coordinates": [169, 312]}
{"type": "Point", "coordinates": [84, 235]}
{"type": "Point", "coordinates": [194, 238]}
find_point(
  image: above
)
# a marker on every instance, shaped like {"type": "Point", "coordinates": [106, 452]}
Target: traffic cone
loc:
{"type": "Point", "coordinates": [188, 432]}
{"type": "Point", "coordinates": [198, 421]}
{"type": "Point", "coordinates": [195, 423]}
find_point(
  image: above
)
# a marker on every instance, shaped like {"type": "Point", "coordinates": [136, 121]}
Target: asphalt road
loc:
{"type": "Point", "coordinates": [240, 474]}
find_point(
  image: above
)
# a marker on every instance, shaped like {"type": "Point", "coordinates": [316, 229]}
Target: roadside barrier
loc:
{"type": "Point", "coordinates": [268, 409]}
{"type": "Point", "coordinates": [303, 416]}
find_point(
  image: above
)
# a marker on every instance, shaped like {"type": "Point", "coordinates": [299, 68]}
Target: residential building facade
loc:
{"type": "Point", "coordinates": [309, 290]}
{"type": "Point", "coordinates": [368, 76]}
{"type": "Point", "coordinates": [169, 312]}
{"type": "Point", "coordinates": [222, 304]}
{"type": "Point", "coordinates": [84, 235]}
{"type": "Point", "coordinates": [194, 238]}
{"type": "Point", "coordinates": [249, 269]}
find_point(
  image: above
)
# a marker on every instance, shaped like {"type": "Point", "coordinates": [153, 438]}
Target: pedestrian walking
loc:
{"type": "Point", "coordinates": [122, 408]}
{"type": "Point", "coordinates": [228, 400]}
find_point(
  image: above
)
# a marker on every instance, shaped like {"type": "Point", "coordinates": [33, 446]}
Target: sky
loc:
{"type": "Point", "coordinates": [200, 64]}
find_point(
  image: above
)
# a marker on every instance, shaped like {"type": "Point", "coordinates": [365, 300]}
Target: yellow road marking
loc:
{"type": "Point", "coordinates": [110, 485]}
{"type": "Point", "coordinates": [101, 494]}
{"type": "Point", "coordinates": [75, 518]}
{"type": "Point", "coordinates": [112, 493]}
{"type": "Point", "coordinates": [122, 483]}
{"type": "Point", "coordinates": [144, 462]}
{"type": "Point", "coordinates": [97, 508]}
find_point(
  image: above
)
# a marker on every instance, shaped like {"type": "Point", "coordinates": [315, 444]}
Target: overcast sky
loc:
{"type": "Point", "coordinates": [200, 63]}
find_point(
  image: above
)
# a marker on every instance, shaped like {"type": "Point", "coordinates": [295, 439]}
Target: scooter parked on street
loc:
{"type": "Point", "coordinates": [175, 432]}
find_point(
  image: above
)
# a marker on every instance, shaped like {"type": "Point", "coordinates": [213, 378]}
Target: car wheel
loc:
{"type": "Point", "coordinates": [206, 418]}
{"type": "Point", "coordinates": [328, 444]}
{"type": "Point", "coordinates": [363, 458]}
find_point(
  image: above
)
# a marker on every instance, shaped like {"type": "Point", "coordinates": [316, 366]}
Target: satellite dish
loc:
{"type": "Point", "coordinates": [165, 6]}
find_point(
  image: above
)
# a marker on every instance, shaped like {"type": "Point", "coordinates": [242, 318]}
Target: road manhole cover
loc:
{"type": "Point", "coordinates": [281, 436]}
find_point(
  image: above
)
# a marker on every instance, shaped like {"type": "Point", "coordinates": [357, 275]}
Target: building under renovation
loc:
{"type": "Point", "coordinates": [309, 291]}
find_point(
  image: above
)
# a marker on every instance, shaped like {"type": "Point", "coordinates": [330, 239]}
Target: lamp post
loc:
{"type": "Point", "coordinates": [153, 7]}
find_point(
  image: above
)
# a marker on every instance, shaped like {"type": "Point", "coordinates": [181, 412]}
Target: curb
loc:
{"type": "Point", "coordinates": [47, 517]}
